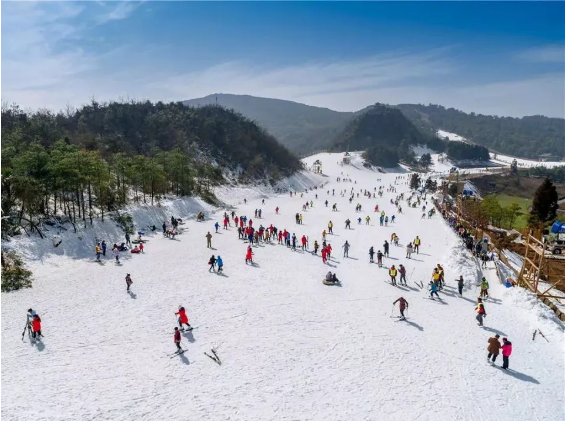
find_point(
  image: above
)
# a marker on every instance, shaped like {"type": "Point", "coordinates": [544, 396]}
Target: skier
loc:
{"type": "Point", "coordinates": [484, 287]}
{"type": "Point", "coordinates": [183, 319]}
{"type": "Point", "coordinates": [359, 220]}
{"type": "Point", "coordinates": [409, 250]}
{"type": "Point", "coordinates": [386, 248]}
{"type": "Point", "coordinates": [367, 220]}
{"type": "Point", "coordinates": [208, 240]}
{"type": "Point", "coordinates": [36, 327]}
{"type": "Point", "coordinates": [304, 242]}
{"type": "Point", "coordinates": [371, 253]}
{"type": "Point", "coordinates": [433, 290]}
{"type": "Point", "coordinates": [129, 282]}
{"type": "Point", "coordinates": [393, 275]}
{"type": "Point", "coordinates": [460, 285]}
{"type": "Point", "coordinates": [116, 252]}
{"type": "Point", "coordinates": [403, 272]}
{"type": "Point", "coordinates": [216, 226]}
{"type": "Point", "coordinates": [277, 210]}
{"type": "Point", "coordinates": [177, 339]}
{"type": "Point", "coordinates": [506, 350]}
{"type": "Point", "coordinates": [249, 255]}
{"type": "Point", "coordinates": [493, 349]}
{"type": "Point", "coordinates": [324, 254]}
{"type": "Point", "coordinates": [379, 258]}
{"type": "Point", "coordinates": [330, 225]}
{"type": "Point", "coordinates": [128, 242]}
{"type": "Point", "coordinates": [348, 224]}
{"type": "Point", "coordinates": [346, 247]}
{"type": "Point", "coordinates": [402, 305]}
{"type": "Point", "coordinates": [326, 203]}
{"type": "Point", "coordinates": [98, 251]}
{"type": "Point", "coordinates": [315, 246]}
{"type": "Point", "coordinates": [220, 264]}
{"type": "Point", "coordinates": [294, 242]}
{"type": "Point", "coordinates": [480, 309]}
{"type": "Point", "coordinates": [211, 263]}
{"type": "Point", "coordinates": [417, 244]}
{"type": "Point", "coordinates": [103, 245]}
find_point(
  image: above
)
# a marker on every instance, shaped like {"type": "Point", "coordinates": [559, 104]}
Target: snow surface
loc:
{"type": "Point", "coordinates": [451, 136]}
{"type": "Point", "coordinates": [291, 347]}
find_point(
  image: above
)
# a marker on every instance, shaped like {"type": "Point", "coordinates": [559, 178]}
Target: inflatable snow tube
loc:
{"type": "Point", "coordinates": [325, 282]}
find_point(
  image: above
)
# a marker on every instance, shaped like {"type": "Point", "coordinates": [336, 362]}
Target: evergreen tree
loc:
{"type": "Point", "coordinates": [545, 204]}
{"type": "Point", "coordinates": [415, 181]}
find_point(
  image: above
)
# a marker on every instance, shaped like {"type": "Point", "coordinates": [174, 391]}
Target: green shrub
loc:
{"type": "Point", "coordinates": [14, 275]}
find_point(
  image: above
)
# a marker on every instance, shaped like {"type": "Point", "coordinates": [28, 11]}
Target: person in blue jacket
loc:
{"type": "Point", "coordinates": [433, 289]}
{"type": "Point", "coordinates": [219, 264]}
{"type": "Point", "coordinates": [217, 225]}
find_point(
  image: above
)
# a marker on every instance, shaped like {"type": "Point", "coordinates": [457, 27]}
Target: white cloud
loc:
{"type": "Point", "coordinates": [37, 72]}
{"type": "Point", "coordinates": [543, 54]}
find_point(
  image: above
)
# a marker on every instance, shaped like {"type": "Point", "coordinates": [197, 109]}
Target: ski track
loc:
{"type": "Point", "coordinates": [291, 348]}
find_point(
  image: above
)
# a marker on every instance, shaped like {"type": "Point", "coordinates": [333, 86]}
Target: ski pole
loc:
{"type": "Point", "coordinates": [24, 332]}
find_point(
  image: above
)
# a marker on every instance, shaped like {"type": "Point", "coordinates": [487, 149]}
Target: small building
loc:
{"type": "Point", "coordinates": [317, 167]}
{"type": "Point", "coordinates": [547, 157]}
{"type": "Point", "coordinates": [347, 159]}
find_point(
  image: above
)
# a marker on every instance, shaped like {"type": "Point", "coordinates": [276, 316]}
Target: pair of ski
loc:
{"type": "Point", "coordinates": [421, 286]}
{"type": "Point", "coordinates": [216, 359]}
{"type": "Point", "coordinates": [538, 331]}
{"type": "Point", "coordinates": [399, 318]}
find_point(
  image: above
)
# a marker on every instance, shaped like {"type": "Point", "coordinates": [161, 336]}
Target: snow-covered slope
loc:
{"type": "Point", "coordinates": [451, 136]}
{"type": "Point", "coordinates": [291, 347]}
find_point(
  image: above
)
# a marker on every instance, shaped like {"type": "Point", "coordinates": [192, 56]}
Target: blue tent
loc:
{"type": "Point", "coordinates": [557, 228]}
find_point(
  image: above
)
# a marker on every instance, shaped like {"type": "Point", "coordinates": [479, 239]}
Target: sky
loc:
{"type": "Point", "coordinates": [501, 58]}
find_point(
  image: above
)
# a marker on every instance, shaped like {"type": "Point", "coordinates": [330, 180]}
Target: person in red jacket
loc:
{"type": "Point", "coordinates": [249, 254]}
{"type": "Point", "coordinates": [177, 339]}
{"type": "Point", "coordinates": [279, 237]}
{"type": "Point", "coordinates": [324, 253]}
{"type": "Point", "coordinates": [328, 250]}
{"type": "Point", "coordinates": [402, 305]}
{"type": "Point", "coordinates": [36, 327]}
{"type": "Point", "coordinates": [304, 242]}
{"type": "Point", "coordinates": [506, 350]}
{"type": "Point", "coordinates": [183, 319]}
{"type": "Point", "coordinates": [277, 209]}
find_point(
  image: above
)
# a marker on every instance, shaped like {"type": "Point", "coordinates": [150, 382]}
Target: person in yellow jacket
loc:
{"type": "Point", "coordinates": [330, 225]}
{"type": "Point", "coordinates": [436, 277]}
{"type": "Point", "coordinates": [300, 218]}
{"type": "Point", "coordinates": [417, 244]}
{"type": "Point", "coordinates": [98, 251]}
{"type": "Point", "coordinates": [393, 275]}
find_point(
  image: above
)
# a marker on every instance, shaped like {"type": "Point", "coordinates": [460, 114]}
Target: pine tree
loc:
{"type": "Point", "coordinates": [415, 181]}
{"type": "Point", "coordinates": [545, 204]}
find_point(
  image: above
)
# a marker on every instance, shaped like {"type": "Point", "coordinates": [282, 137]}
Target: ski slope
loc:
{"type": "Point", "coordinates": [291, 348]}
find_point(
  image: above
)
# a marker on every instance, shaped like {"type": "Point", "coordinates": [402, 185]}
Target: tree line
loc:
{"type": "Point", "coordinates": [90, 161]}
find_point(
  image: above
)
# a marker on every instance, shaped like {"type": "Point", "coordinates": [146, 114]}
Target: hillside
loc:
{"type": "Point", "coordinates": [303, 128]}
{"type": "Point", "coordinates": [291, 348]}
{"type": "Point", "coordinates": [103, 156]}
{"type": "Point", "coordinates": [299, 127]}
{"type": "Point", "coordinates": [384, 132]}
{"type": "Point", "coordinates": [526, 137]}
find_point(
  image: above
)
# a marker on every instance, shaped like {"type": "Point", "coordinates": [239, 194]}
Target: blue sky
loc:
{"type": "Point", "coordinates": [488, 57]}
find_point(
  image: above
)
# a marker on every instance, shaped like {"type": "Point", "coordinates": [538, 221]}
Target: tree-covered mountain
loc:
{"type": "Point", "coordinates": [299, 127]}
{"type": "Point", "coordinates": [304, 129]}
{"type": "Point", "coordinates": [526, 137]}
{"type": "Point", "coordinates": [386, 134]}
{"type": "Point", "coordinates": [101, 156]}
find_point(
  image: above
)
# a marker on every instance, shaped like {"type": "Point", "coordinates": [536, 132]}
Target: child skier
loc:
{"type": "Point", "coordinates": [379, 258]}
{"type": "Point", "coordinates": [484, 287]}
{"type": "Point", "coordinates": [346, 247]}
{"type": "Point", "coordinates": [371, 253]}
{"type": "Point", "coordinates": [249, 254]}
{"type": "Point", "coordinates": [409, 250]}
{"type": "Point", "coordinates": [433, 290]}
{"type": "Point", "coordinates": [402, 305]}
{"type": "Point", "coordinates": [177, 339]}
{"type": "Point", "coordinates": [480, 309]}
{"type": "Point", "coordinates": [506, 350]}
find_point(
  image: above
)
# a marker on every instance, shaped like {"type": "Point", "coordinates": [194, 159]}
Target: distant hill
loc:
{"type": "Point", "coordinates": [527, 137]}
{"type": "Point", "coordinates": [304, 129]}
{"type": "Point", "coordinates": [386, 135]}
{"type": "Point", "coordinates": [299, 127]}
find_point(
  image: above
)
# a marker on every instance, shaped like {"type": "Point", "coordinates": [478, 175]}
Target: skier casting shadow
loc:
{"type": "Point", "coordinates": [133, 296]}
{"type": "Point", "coordinates": [39, 345]}
{"type": "Point", "coordinates": [414, 324]}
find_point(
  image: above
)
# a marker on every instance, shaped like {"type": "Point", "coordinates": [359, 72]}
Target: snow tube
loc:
{"type": "Point", "coordinates": [557, 228]}
{"type": "Point", "coordinates": [325, 282]}
{"type": "Point", "coordinates": [135, 251]}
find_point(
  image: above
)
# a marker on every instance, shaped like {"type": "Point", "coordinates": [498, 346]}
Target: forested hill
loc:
{"type": "Point", "coordinates": [102, 154]}
{"type": "Point", "coordinates": [526, 137]}
{"type": "Point", "coordinates": [299, 127]}
{"type": "Point", "coordinates": [386, 134]}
